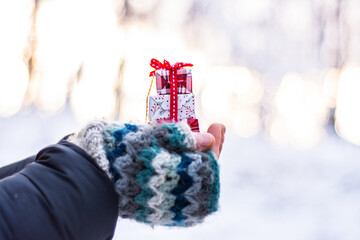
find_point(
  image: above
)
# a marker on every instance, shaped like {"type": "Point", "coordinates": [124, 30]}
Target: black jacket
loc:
{"type": "Point", "coordinates": [59, 194]}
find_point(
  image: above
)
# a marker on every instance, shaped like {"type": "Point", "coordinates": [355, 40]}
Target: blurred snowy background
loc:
{"type": "Point", "coordinates": [284, 76]}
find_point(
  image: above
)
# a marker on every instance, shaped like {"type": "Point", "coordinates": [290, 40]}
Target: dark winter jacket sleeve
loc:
{"type": "Point", "coordinates": [63, 194]}
{"type": "Point", "coordinates": [15, 167]}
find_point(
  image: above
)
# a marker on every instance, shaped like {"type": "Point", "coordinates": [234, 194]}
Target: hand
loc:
{"type": "Point", "coordinates": [212, 140]}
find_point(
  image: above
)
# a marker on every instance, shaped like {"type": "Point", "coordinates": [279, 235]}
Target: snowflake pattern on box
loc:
{"type": "Point", "coordinates": [159, 106]}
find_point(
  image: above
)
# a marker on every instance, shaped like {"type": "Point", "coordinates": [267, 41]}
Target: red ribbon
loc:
{"type": "Point", "coordinates": [173, 82]}
{"type": "Point", "coordinates": [166, 65]}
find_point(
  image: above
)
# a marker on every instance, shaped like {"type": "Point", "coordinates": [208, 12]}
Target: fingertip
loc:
{"type": "Point", "coordinates": [218, 131]}
{"type": "Point", "coordinates": [215, 126]}
{"type": "Point", "coordinates": [223, 128]}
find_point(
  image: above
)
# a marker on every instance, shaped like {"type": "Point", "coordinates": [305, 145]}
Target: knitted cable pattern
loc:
{"type": "Point", "coordinates": [160, 177]}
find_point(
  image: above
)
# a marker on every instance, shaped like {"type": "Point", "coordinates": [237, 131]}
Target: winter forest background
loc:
{"type": "Point", "coordinates": [284, 76]}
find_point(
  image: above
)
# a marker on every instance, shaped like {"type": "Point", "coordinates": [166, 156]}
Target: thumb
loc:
{"type": "Point", "coordinates": [204, 141]}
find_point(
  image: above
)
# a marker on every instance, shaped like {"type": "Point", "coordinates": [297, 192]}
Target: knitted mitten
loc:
{"type": "Point", "coordinates": [157, 172]}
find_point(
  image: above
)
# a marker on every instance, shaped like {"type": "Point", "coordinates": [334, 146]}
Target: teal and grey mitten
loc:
{"type": "Point", "coordinates": [159, 176]}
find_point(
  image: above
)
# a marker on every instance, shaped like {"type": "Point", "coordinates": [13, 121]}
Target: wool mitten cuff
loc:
{"type": "Point", "coordinates": [159, 176]}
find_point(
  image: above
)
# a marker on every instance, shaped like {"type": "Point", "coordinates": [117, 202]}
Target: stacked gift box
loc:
{"type": "Point", "coordinates": [160, 104]}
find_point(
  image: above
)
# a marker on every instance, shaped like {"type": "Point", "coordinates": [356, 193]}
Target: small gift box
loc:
{"type": "Point", "coordinates": [184, 81]}
{"type": "Point", "coordinates": [172, 82]}
{"type": "Point", "coordinates": [159, 107]}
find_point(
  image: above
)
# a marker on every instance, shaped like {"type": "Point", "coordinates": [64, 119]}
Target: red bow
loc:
{"type": "Point", "coordinates": [166, 65]}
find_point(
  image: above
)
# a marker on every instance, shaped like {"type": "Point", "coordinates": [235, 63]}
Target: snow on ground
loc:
{"type": "Point", "coordinates": [268, 192]}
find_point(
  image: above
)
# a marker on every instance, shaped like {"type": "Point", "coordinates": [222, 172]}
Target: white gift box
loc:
{"type": "Point", "coordinates": [159, 107]}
